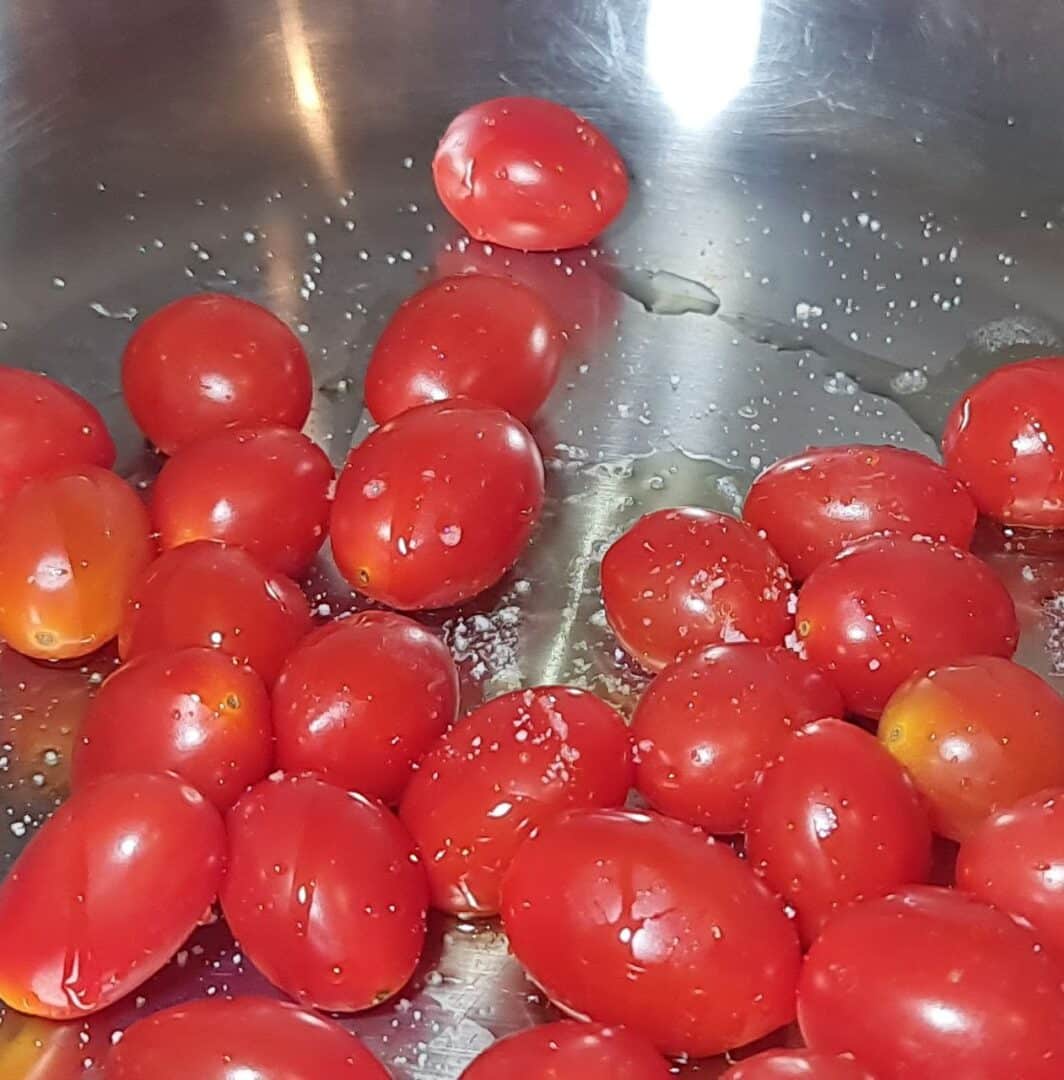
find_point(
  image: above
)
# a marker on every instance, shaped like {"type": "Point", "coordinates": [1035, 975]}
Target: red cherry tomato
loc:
{"type": "Point", "coordinates": [1005, 440]}
{"type": "Point", "coordinates": [930, 983]}
{"type": "Point", "coordinates": [263, 489]}
{"type": "Point", "coordinates": [797, 1065]}
{"type": "Point", "coordinates": [476, 336]}
{"type": "Point", "coordinates": [71, 545]}
{"type": "Point", "coordinates": [813, 505]}
{"type": "Point", "coordinates": [565, 1050]}
{"type": "Point", "coordinates": [360, 701]}
{"type": "Point", "coordinates": [212, 361]}
{"type": "Point", "coordinates": [889, 606]}
{"type": "Point", "coordinates": [195, 712]}
{"type": "Point", "coordinates": [498, 775]}
{"type": "Point", "coordinates": [835, 819]}
{"type": "Point", "coordinates": [324, 892]}
{"type": "Point", "coordinates": [215, 1039]}
{"type": "Point", "coordinates": [436, 505]}
{"type": "Point", "coordinates": [707, 725]}
{"type": "Point", "coordinates": [218, 596]}
{"type": "Point", "coordinates": [639, 920]}
{"type": "Point", "coordinates": [680, 579]}
{"type": "Point", "coordinates": [1015, 861]}
{"type": "Point", "coordinates": [106, 892]}
{"type": "Point", "coordinates": [45, 426]}
{"type": "Point", "coordinates": [530, 174]}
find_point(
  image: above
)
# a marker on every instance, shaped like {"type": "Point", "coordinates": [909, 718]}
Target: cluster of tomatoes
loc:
{"type": "Point", "coordinates": [319, 785]}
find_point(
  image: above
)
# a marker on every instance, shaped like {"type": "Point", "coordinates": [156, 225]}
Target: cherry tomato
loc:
{"type": "Point", "coordinates": [195, 712]}
{"type": "Point", "coordinates": [929, 983]}
{"type": "Point", "coordinates": [889, 606]}
{"type": "Point", "coordinates": [436, 505]}
{"type": "Point", "coordinates": [681, 579]}
{"type": "Point", "coordinates": [976, 735]}
{"type": "Point", "coordinates": [240, 1039]}
{"type": "Point", "coordinates": [707, 725]}
{"type": "Point", "coordinates": [797, 1065]}
{"type": "Point", "coordinates": [324, 892]}
{"type": "Point", "coordinates": [476, 336]}
{"type": "Point", "coordinates": [1004, 440]}
{"type": "Point", "coordinates": [564, 1050]}
{"type": "Point", "coordinates": [212, 361]}
{"type": "Point", "coordinates": [360, 701]}
{"type": "Point", "coordinates": [530, 174]}
{"type": "Point", "coordinates": [835, 819]}
{"type": "Point", "coordinates": [71, 545]}
{"type": "Point", "coordinates": [45, 426]}
{"type": "Point", "coordinates": [106, 892]}
{"type": "Point", "coordinates": [498, 775]}
{"type": "Point", "coordinates": [211, 594]}
{"type": "Point", "coordinates": [813, 505]}
{"type": "Point", "coordinates": [1015, 861]}
{"type": "Point", "coordinates": [635, 919]}
{"type": "Point", "coordinates": [263, 489]}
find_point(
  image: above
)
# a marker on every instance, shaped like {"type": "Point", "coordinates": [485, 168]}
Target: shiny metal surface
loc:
{"type": "Point", "coordinates": [869, 188]}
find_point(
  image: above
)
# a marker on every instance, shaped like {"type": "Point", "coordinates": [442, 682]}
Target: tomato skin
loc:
{"type": "Point", "coordinates": [530, 174]}
{"type": "Point", "coordinates": [834, 820]}
{"type": "Point", "coordinates": [194, 712]}
{"type": "Point", "coordinates": [797, 1065]}
{"type": "Point", "coordinates": [217, 596]}
{"type": "Point", "coordinates": [708, 724]}
{"type": "Point", "coordinates": [71, 545]}
{"type": "Point", "coordinates": [361, 700]}
{"type": "Point", "coordinates": [710, 579]}
{"type": "Point", "coordinates": [212, 361]}
{"type": "Point", "coordinates": [409, 527]}
{"type": "Point", "coordinates": [929, 982]}
{"type": "Point", "coordinates": [105, 893]}
{"type": "Point", "coordinates": [566, 1049]}
{"type": "Point", "coordinates": [217, 1039]}
{"type": "Point", "coordinates": [501, 773]}
{"type": "Point", "coordinates": [889, 606]}
{"type": "Point", "coordinates": [813, 505]}
{"type": "Point", "coordinates": [263, 489]}
{"type": "Point", "coordinates": [976, 735]}
{"type": "Point", "coordinates": [1003, 439]}
{"type": "Point", "coordinates": [341, 925]}
{"type": "Point", "coordinates": [45, 427]}
{"type": "Point", "coordinates": [477, 336]}
{"type": "Point", "coordinates": [635, 919]}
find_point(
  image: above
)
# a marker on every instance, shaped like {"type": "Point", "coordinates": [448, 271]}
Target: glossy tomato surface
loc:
{"type": "Point", "coordinates": [195, 712]}
{"type": "Point", "coordinates": [708, 724]}
{"type": "Point", "coordinates": [530, 174]}
{"type": "Point", "coordinates": [437, 504]}
{"type": "Point", "coordinates": [71, 545]}
{"type": "Point", "coordinates": [474, 335]}
{"type": "Point", "coordinates": [218, 596]}
{"type": "Point", "coordinates": [502, 772]}
{"type": "Point", "coordinates": [240, 1039]}
{"type": "Point", "coordinates": [814, 504]}
{"type": "Point", "coordinates": [636, 919]}
{"type": "Point", "coordinates": [264, 489]}
{"type": "Point", "coordinates": [976, 735]}
{"type": "Point", "coordinates": [325, 893]}
{"type": "Point", "coordinates": [567, 1050]}
{"type": "Point", "coordinates": [929, 982]}
{"type": "Point", "coordinates": [361, 700]}
{"type": "Point", "coordinates": [681, 579]}
{"type": "Point", "coordinates": [835, 819]}
{"type": "Point", "coordinates": [889, 606]}
{"type": "Point", "coordinates": [1005, 440]}
{"type": "Point", "coordinates": [45, 426]}
{"type": "Point", "coordinates": [798, 1065]}
{"type": "Point", "coordinates": [105, 893]}
{"type": "Point", "coordinates": [212, 361]}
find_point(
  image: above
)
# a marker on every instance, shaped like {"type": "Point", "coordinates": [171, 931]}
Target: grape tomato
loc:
{"type": "Point", "coordinates": [797, 1065]}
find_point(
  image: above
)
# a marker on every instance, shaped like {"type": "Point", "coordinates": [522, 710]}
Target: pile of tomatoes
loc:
{"type": "Point", "coordinates": [834, 723]}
